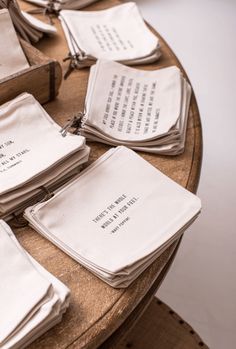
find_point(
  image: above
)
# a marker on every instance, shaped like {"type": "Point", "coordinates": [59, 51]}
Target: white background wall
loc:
{"type": "Point", "coordinates": [201, 285]}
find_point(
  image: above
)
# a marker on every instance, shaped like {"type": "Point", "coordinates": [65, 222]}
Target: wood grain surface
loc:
{"type": "Point", "coordinates": [97, 310]}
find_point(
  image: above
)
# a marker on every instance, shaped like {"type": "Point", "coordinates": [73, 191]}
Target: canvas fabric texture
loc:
{"type": "Point", "coordinates": [144, 110]}
{"type": "Point", "coordinates": [13, 58]}
{"type": "Point", "coordinates": [35, 157]}
{"type": "Point", "coordinates": [28, 27]}
{"type": "Point", "coordinates": [118, 33]}
{"type": "Point", "coordinates": [31, 299]}
{"type": "Point", "coordinates": [119, 215]}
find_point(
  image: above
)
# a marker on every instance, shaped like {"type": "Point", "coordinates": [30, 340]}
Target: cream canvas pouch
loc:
{"type": "Point", "coordinates": [31, 142]}
{"type": "Point", "coordinates": [12, 57]}
{"type": "Point", "coordinates": [35, 156]}
{"type": "Point", "coordinates": [177, 146]}
{"type": "Point", "coordinates": [57, 5]}
{"type": "Point", "coordinates": [68, 168]}
{"type": "Point", "coordinates": [135, 105]}
{"type": "Point", "coordinates": [48, 312]}
{"type": "Point", "coordinates": [37, 24]}
{"type": "Point", "coordinates": [22, 288]}
{"type": "Point", "coordinates": [118, 33]}
{"type": "Point", "coordinates": [28, 27]}
{"type": "Point", "coordinates": [143, 110]}
{"type": "Point", "coordinates": [127, 213]}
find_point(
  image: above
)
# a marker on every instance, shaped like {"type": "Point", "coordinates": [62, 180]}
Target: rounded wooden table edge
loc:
{"type": "Point", "coordinates": [105, 325]}
{"type": "Point", "coordinates": [131, 320]}
{"type": "Point", "coordinates": [192, 185]}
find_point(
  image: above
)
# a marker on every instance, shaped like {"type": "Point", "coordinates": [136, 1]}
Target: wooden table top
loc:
{"type": "Point", "coordinates": [96, 310]}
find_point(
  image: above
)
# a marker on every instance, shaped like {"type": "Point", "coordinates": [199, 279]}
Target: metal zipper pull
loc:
{"type": "Point", "coordinates": [75, 123]}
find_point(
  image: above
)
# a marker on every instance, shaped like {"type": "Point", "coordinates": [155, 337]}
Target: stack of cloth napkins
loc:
{"type": "Point", "coordinates": [53, 6]}
{"type": "Point", "coordinates": [35, 157]}
{"type": "Point", "coordinates": [28, 27]}
{"type": "Point", "coordinates": [143, 110]}
{"type": "Point", "coordinates": [13, 58]}
{"type": "Point", "coordinates": [31, 299]}
{"type": "Point", "coordinates": [118, 33]}
{"type": "Point", "coordinates": [117, 216]}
